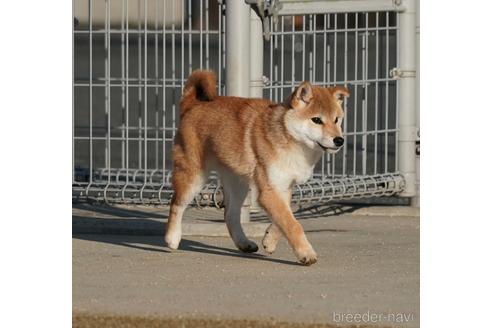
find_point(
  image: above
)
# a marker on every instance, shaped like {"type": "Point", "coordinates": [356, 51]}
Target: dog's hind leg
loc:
{"type": "Point", "coordinates": [186, 183]}
{"type": "Point", "coordinates": [235, 192]}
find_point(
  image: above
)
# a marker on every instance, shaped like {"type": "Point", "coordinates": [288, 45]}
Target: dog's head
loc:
{"type": "Point", "coordinates": [315, 116]}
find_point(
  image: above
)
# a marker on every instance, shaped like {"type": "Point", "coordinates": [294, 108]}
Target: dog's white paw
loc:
{"type": "Point", "coordinates": [172, 239]}
{"type": "Point", "coordinates": [269, 243]}
{"type": "Point", "coordinates": [307, 255]}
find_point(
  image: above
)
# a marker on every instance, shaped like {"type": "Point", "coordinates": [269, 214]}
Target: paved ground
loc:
{"type": "Point", "coordinates": [368, 266]}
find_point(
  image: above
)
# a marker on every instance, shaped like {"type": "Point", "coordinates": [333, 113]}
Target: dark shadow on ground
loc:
{"type": "Point", "coordinates": [324, 210]}
{"type": "Point", "coordinates": [117, 226]}
{"type": "Point", "coordinates": [110, 210]}
{"type": "Point", "coordinates": [139, 229]}
{"type": "Point", "coordinates": [305, 212]}
{"type": "Point", "coordinates": [156, 244]}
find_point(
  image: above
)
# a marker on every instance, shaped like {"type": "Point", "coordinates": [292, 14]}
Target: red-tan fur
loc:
{"type": "Point", "coordinates": [242, 139]}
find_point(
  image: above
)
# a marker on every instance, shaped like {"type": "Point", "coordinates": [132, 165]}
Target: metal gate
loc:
{"type": "Point", "coordinates": [132, 58]}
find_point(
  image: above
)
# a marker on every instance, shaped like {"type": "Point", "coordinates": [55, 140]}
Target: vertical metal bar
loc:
{"type": "Point", "coordinates": [355, 93]}
{"type": "Point", "coordinates": [220, 49]}
{"type": "Point", "coordinates": [416, 198]}
{"type": "Point", "coordinates": [364, 102]}
{"type": "Point", "coordinates": [293, 68]}
{"type": "Point", "coordinates": [107, 41]}
{"type": "Point", "coordinates": [207, 36]}
{"type": "Point", "coordinates": [164, 92]}
{"type": "Point", "coordinates": [90, 94]}
{"type": "Point", "coordinates": [106, 80]}
{"type": "Point", "coordinates": [272, 80]}
{"type": "Point", "coordinates": [325, 51]}
{"type": "Point", "coordinates": [376, 105]}
{"type": "Point", "coordinates": [201, 34]}
{"type": "Point", "coordinates": [182, 79]}
{"type": "Point", "coordinates": [282, 51]}
{"type": "Point", "coordinates": [122, 45]}
{"type": "Point", "coordinates": [139, 86]}
{"type": "Point", "coordinates": [303, 48]}
{"type": "Point", "coordinates": [73, 94]}
{"type": "Point", "coordinates": [331, 158]}
{"type": "Point", "coordinates": [190, 37]}
{"type": "Point", "coordinates": [397, 100]}
{"type": "Point", "coordinates": [386, 109]}
{"type": "Point", "coordinates": [127, 99]}
{"type": "Point", "coordinates": [310, 67]}
{"type": "Point", "coordinates": [280, 83]}
{"type": "Point", "coordinates": [345, 77]}
{"type": "Point", "coordinates": [224, 47]}
{"type": "Point", "coordinates": [156, 81]}
{"type": "Point", "coordinates": [325, 69]}
{"type": "Point", "coordinates": [173, 66]}
{"type": "Point", "coordinates": [256, 56]}
{"type": "Point", "coordinates": [145, 91]}
{"type": "Point", "coordinates": [407, 131]}
{"type": "Point", "coordinates": [312, 71]}
{"type": "Point", "coordinates": [335, 51]}
{"type": "Point", "coordinates": [276, 74]}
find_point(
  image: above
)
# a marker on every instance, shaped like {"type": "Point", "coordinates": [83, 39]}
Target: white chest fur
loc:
{"type": "Point", "coordinates": [293, 166]}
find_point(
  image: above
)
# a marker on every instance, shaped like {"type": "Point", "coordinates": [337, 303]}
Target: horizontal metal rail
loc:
{"type": "Point", "coordinates": [316, 190]}
{"type": "Point", "coordinates": [297, 7]}
{"type": "Point", "coordinates": [149, 31]}
{"type": "Point", "coordinates": [284, 84]}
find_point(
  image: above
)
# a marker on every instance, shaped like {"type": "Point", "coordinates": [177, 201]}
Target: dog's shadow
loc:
{"type": "Point", "coordinates": [150, 234]}
{"type": "Point", "coordinates": [156, 244]}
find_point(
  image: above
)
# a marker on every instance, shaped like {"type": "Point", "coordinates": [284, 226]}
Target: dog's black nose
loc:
{"type": "Point", "coordinates": [338, 141]}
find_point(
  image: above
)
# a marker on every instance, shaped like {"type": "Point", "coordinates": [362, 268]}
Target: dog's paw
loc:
{"type": "Point", "coordinates": [307, 257]}
{"type": "Point", "coordinates": [172, 240]}
{"type": "Point", "coordinates": [248, 246]}
{"type": "Point", "coordinates": [269, 244]}
{"type": "Point", "coordinates": [269, 249]}
{"type": "Point", "coordinates": [271, 238]}
{"type": "Point", "coordinates": [308, 260]}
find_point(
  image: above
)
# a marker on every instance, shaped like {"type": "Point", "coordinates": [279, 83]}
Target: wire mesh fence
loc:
{"type": "Point", "coordinates": [357, 50]}
{"type": "Point", "coordinates": [132, 58]}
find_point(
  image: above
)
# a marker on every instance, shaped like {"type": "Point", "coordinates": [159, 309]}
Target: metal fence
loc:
{"type": "Point", "coordinates": [132, 58]}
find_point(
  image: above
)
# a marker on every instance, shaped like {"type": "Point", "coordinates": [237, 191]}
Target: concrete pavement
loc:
{"type": "Point", "coordinates": [367, 270]}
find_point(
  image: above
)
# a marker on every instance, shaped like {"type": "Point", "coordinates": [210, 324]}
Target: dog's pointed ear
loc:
{"type": "Point", "coordinates": [340, 93]}
{"type": "Point", "coordinates": [302, 95]}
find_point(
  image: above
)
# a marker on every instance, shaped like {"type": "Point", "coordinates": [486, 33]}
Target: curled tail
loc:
{"type": "Point", "coordinates": [200, 86]}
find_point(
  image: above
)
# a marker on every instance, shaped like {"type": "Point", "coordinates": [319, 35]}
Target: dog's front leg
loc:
{"type": "Point", "coordinates": [273, 232]}
{"type": "Point", "coordinates": [279, 210]}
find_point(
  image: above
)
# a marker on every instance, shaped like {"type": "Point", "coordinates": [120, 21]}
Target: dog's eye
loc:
{"type": "Point", "coordinates": [336, 120]}
{"type": "Point", "coordinates": [317, 120]}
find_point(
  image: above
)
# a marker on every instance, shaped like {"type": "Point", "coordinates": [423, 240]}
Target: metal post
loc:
{"type": "Point", "coordinates": [407, 109]}
{"type": "Point", "coordinates": [238, 60]}
{"type": "Point", "coordinates": [256, 55]}
{"type": "Point", "coordinates": [237, 48]}
{"type": "Point", "coordinates": [416, 199]}
{"type": "Point", "coordinates": [256, 75]}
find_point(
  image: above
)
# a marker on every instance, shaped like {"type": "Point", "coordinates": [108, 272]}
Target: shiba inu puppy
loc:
{"type": "Point", "coordinates": [253, 142]}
